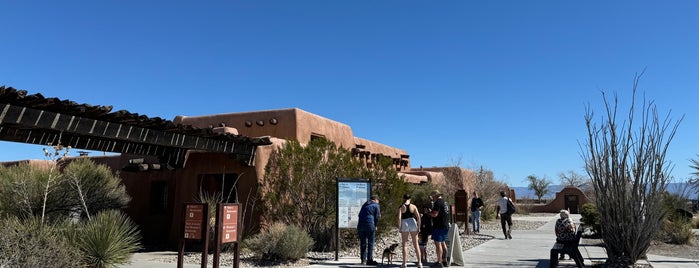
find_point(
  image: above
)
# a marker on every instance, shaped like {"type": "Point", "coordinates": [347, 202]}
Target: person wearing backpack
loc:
{"type": "Point", "coordinates": [505, 210]}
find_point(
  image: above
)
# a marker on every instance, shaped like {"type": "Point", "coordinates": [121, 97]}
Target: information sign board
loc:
{"type": "Point", "coordinates": [351, 196]}
{"type": "Point", "coordinates": [194, 215]}
{"type": "Point", "coordinates": [229, 228]}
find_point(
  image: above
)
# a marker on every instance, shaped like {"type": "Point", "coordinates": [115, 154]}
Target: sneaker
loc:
{"type": "Point", "coordinates": [437, 265]}
{"type": "Point", "coordinates": [372, 262]}
{"type": "Point", "coordinates": [363, 262]}
{"type": "Point", "coordinates": [445, 264]}
{"type": "Point", "coordinates": [509, 234]}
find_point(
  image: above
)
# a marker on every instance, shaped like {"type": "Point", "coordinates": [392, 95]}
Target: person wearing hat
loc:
{"type": "Point", "coordinates": [369, 216]}
{"type": "Point", "coordinates": [440, 227]}
{"type": "Point", "coordinates": [408, 226]}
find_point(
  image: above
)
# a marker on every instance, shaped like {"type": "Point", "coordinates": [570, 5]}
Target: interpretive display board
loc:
{"type": "Point", "coordinates": [351, 194]}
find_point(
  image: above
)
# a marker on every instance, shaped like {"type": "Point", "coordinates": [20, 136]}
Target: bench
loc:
{"type": "Point", "coordinates": [570, 249]}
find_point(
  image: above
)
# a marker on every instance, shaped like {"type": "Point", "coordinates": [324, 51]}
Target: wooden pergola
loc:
{"type": "Point", "coordinates": [38, 120]}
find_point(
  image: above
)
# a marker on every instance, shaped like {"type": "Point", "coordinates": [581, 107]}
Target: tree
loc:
{"type": "Point", "coordinates": [629, 173]}
{"type": "Point", "coordinates": [540, 186]}
{"type": "Point", "coordinates": [489, 188]}
{"type": "Point", "coordinates": [571, 178]}
{"type": "Point", "coordinates": [299, 186]}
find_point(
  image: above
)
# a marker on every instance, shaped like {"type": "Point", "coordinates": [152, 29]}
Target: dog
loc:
{"type": "Point", "coordinates": [388, 253]}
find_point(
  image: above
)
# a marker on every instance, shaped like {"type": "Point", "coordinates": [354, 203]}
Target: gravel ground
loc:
{"type": "Point", "coordinates": [467, 242]}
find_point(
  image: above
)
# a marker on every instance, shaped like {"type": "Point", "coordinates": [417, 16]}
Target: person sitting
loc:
{"type": "Point", "coordinates": [565, 230]}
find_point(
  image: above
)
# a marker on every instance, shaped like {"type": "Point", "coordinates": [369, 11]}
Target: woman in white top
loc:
{"type": "Point", "coordinates": [408, 226]}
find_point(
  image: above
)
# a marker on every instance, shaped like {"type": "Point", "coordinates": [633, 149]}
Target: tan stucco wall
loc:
{"type": "Point", "coordinates": [291, 124]}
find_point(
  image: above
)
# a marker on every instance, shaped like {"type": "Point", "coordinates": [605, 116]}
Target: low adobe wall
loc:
{"type": "Point", "coordinates": [560, 202]}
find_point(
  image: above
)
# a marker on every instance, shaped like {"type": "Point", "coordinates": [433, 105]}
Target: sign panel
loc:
{"type": "Point", "coordinates": [229, 223]}
{"type": "Point", "coordinates": [351, 196]}
{"type": "Point", "coordinates": [194, 215]}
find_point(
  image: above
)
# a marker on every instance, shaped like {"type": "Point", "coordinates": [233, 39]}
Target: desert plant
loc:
{"type": "Point", "coordinates": [489, 189]}
{"type": "Point", "coordinates": [92, 188]}
{"type": "Point", "coordinates": [28, 243]}
{"type": "Point", "coordinates": [590, 217]}
{"type": "Point", "coordinates": [306, 175]}
{"type": "Point", "coordinates": [280, 242]}
{"type": "Point", "coordinates": [82, 189]}
{"type": "Point", "coordinates": [678, 231]}
{"type": "Point", "coordinates": [107, 240]}
{"type": "Point", "coordinates": [629, 173]}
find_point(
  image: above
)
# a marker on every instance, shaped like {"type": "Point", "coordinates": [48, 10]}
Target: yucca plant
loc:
{"type": "Point", "coordinates": [108, 239]}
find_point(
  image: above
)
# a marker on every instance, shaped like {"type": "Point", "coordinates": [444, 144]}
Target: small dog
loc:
{"type": "Point", "coordinates": [388, 253]}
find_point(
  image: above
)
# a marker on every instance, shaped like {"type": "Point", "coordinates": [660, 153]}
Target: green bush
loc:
{"type": "Point", "coordinates": [591, 217]}
{"type": "Point", "coordinates": [280, 242]}
{"type": "Point", "coordinates": [26, 243]}
{"type": "Point", "coordinates": [108, 239]}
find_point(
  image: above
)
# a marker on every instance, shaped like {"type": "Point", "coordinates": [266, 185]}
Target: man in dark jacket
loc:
{"type": "Point", "coordinates": [369, 217]}
{"type": "Point", "coordinates": [476, 207]}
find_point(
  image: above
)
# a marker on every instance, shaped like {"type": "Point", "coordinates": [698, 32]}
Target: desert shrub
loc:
{"type": "Point", "coordinates": [107, 240]}
{"type": "Point", "coordinates": [677, 232]}
{"type": "Point", "coordinates": [298, 174]}
{"type": "Point", "coordinates": [590, 217]}
{"type": "Point", "coordinates": [28, 243]}
{"type": "Point", "coordinates": [695, 223]}
{"type": "Point", "coordinates": [280, 242]}
{"type": "Point", "coordinates": [84, 188]}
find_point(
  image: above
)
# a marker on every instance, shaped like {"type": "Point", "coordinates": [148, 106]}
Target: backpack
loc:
{"type": "Point", "coordinates": [510, 207]}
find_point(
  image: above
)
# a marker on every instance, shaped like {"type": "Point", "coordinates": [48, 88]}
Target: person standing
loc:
{"type": "Point", "coordinates": [369, 216]}
{"type": "Point", "coordinates": [476, 208]}
{"type": "Point", "coordinates": [505, 218]}
{"type": "Point", "coordinates": [425, 232]}
{"type": "Point", "coordinates": [440, 227]}
{"type": "Point", "coordinates": [565, 230]}
{"type": "Point", "coordinates": [408, 222]}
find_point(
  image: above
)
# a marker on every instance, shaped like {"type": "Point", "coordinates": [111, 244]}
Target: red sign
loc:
{"type": "Point", "coordinates": [229, 224]}
{"type": "Point", "coordinates": [194, 214]}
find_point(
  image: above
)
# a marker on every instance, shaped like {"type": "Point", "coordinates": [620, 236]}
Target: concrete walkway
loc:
{"type": "Point", "coordinates": [528, 248]}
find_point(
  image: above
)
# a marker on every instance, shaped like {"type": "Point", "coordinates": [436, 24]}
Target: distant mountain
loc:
{"type": "Point", "coordinates": [675, 188]}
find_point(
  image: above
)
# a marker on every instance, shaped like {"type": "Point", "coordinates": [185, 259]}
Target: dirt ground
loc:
{"type": "Point", "coordinates": [679, 251]}
{"type": "Point", "coordinates": [689, 251]}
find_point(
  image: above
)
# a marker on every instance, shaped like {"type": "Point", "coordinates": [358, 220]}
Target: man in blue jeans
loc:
{"type": "Point", "coordinates": [369, 217]}
{"type": "Point", "coordinates": [476, 207]}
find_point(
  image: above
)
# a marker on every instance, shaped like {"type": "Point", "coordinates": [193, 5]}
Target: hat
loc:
{"type": "Point", "coordinates": [435, 192]}
{"type": "Point", "coordinates": [374, 197]}
{"type": "Point", "coordinates": [406, 196]}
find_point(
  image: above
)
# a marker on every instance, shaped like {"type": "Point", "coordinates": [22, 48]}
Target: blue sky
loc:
{"type": "Point", "coordinates": [498, 84]}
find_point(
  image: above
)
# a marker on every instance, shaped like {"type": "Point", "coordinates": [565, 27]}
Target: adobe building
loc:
{"type": "Point", "coordinates": [164, 164]}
